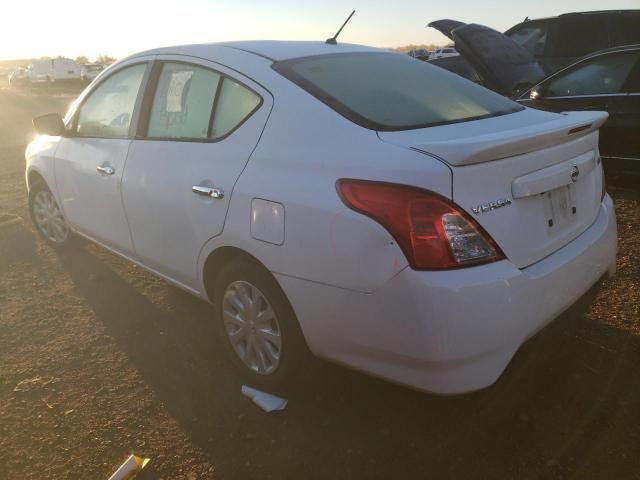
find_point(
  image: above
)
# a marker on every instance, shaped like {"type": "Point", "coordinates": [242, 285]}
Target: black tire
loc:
{"type": "Point", "coordinates": [294, 354]}
{"type": "Point", "coordinates": [39, 188]}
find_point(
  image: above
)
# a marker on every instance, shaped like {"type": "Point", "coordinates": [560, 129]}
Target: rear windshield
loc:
{"type": "Point", "coordinates": [389, 91]}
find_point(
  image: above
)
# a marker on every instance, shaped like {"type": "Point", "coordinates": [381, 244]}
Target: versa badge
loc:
{"type": "Point", "coordinates": [487, 207]}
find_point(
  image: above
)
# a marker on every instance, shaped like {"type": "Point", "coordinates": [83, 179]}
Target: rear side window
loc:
{"type": "Point", "coordinates": [235, 104]}
{"type": "Point", "coordinates": [605, 74]}
{"type": "Point", "coordinates": [580, 34]}
{"type": "Point", "coordinates": [531, 36]}
{"type": "Point", "coordinates": [624, 28]}
{"type": "Point", "coordinates": [108, 110]}
{"type": "Point", "coordinates": [196, 103]}
{"type": "Point", "coordinates": [183, 102]}
{"type": "Point", "coordinates": [388, 91]}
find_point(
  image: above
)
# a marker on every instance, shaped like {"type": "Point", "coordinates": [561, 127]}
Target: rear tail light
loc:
{"type": "Point", "coordinates": [433, 232]}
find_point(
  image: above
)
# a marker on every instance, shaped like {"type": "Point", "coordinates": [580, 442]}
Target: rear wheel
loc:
{"type": "Point", "coordinates": [47, 216]}
{"type": "Point", "coordinates": [257, 325]}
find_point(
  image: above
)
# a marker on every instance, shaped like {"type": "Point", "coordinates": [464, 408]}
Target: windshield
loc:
{"type": "Point", "coordinates": [388, 91]}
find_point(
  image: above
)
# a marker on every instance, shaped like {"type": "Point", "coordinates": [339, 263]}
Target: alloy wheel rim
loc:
{"type": "Point", "coordinates": [48, 218]}
{"type": "Point", "coordinates": [252, 327]}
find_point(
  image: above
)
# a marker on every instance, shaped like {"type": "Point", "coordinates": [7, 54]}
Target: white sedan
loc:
{"type": "Point", "coordinates": [379, 212]}
{"type": "Point", "coordinates": [443, 53]}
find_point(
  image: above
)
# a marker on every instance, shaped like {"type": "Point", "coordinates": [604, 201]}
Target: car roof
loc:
{"type": "Point", "coordinates": [591, 12]}
{"type": "Point", "coordinates": [274, 50]}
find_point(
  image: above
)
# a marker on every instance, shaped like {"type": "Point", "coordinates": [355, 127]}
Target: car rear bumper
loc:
{"type": "Point", "coordinates": [452, 331]}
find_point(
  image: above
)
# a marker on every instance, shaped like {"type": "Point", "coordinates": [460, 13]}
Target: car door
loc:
{"type": "Point", "coordinates": [90, 160]}
{"type": "Point", "coordinates": [627, 135]}
{"type": "Point", "coordinates": [200, 124]}
{"type": "Point", "coordinates": [597, 83]}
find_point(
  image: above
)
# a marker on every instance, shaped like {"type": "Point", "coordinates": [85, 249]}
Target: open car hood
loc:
{"type": "Point", "coordinates": [503, 65]}
{"type": "Point", "coordinates": [446, 26]}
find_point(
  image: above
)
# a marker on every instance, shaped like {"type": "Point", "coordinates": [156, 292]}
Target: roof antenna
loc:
{"type": "Point", "coordinates": [332, 40]}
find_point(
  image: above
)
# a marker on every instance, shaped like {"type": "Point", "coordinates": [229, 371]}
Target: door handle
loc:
{"type": "Point", "coordinates": [106, 170]}
{"type": "Point", "coordinates": [208, 191]}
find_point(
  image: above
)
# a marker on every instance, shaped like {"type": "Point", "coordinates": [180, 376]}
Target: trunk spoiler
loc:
{"type": "Point", "coordinates": [518, 141]}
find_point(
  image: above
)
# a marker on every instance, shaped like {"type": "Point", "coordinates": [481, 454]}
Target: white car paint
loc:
{"type": "Point", "coordinates": [443, 53]}
{"type": "Point", "coordinates": [355, 296]}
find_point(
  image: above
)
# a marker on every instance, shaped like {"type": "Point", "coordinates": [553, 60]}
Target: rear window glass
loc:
{"type": "Point", "coordinates": [388, 91]}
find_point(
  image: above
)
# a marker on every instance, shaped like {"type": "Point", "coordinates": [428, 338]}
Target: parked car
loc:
{"type": "Point", "coordinates": [89, 72]}
{"type": "Point", "coordinates": [18, 78]}
{"type": "Point", "coordinates": [443, 53]}
{"type": "Point", "coordinates": [52, 70]}
{"type": "Point", "coordinates": [607, 81]}
{"type": "Point", "coordinates": [385, 214]}
{"type": "Point", "coordinates": [419, 54]}
{"type": "Point", "coordinates": [557, 41]}
{"type": "Point", "coordinates": [490, 57]}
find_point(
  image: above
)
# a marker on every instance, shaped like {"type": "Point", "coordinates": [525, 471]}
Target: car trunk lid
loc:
{"type": "Point", "coordinates": [533, 185]}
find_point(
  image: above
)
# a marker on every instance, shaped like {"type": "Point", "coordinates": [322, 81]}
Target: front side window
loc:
{"type": "Point", "coordinates": [108, 110]}
{"type": "Point", "coordinates": [388, 91]}
{"type": "Point", "coordinates": [603, 75]}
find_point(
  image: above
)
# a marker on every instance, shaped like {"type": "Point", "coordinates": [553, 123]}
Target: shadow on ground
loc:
{"type": "Point", "coordinates": [568, 405]}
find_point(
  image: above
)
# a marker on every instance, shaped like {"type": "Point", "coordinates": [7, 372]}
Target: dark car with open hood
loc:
{"type": "Point", "coordinates": [557, 41]}
{"type": "Point", "coordinates": [607, 80]}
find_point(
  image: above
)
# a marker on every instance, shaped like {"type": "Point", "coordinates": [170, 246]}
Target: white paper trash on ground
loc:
{"type": "Point", "coordinates": [129, 468]}
{"type": "Point", "coordinates": [265, 401]}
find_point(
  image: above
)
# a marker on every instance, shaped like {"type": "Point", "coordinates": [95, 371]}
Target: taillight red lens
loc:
{"type": "Point", "coordinates": [432, 232]}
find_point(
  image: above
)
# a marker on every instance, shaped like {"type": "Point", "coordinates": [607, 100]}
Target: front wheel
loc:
{"type": "Point", "coordinates": [258, 325]}
{"type": "Point", "coordinates": [47, 216]}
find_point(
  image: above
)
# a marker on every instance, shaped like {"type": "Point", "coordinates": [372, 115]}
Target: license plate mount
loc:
{"type": "Point", "coordinates": [560, 207]}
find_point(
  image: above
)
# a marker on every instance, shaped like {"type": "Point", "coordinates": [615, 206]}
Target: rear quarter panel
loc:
{"type": "Point", "coordinates": [305, 148]}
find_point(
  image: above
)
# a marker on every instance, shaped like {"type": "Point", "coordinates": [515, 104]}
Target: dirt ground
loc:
{"type": "Point", "coordinates": [99, 359]}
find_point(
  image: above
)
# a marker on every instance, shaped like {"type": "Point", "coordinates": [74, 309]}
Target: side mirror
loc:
{"type": "Point", "coordinates": [50, 124]}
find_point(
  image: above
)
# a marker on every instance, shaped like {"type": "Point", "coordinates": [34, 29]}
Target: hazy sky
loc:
{"type": "Point", "coordinates": [121, 27]}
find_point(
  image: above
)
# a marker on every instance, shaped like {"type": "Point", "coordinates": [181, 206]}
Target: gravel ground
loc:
{"type": "Point", "coordinates": [99, 359]}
